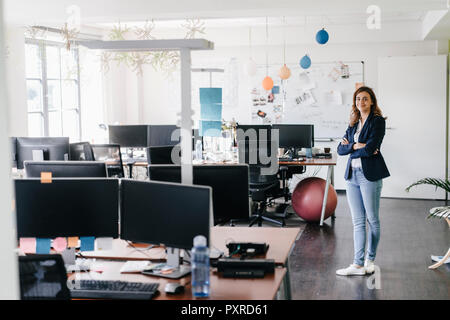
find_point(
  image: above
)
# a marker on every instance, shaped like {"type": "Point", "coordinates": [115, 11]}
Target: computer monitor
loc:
{"type": "Point", "coordinates": [12, 143]}
{"type": "Point", "coordinates": [67, 207]}
{"type": "Point", "coordinates": [164, 213]}
{"type": "Point", "coordinates": [229, 183]}
{"type": "Point", "coordinates": [53, 148]}
{"type": "Point", "coordinates": [129, 136]}
{"type": "Point", "coordinates": [66, 169]}
{"type": "Point", "coordinates": [162, 154]}
{"type": "Point", "coordinates": [295, 135]}
{"type": "Point", "coordinates": [161, 135]}
{"type": "Point", "coordinates": [253, 132]}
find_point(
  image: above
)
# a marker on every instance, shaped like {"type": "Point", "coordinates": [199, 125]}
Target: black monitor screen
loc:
{"type": "Point", "coordinates": [67, 207]}
{"type": "Point", "coordinates": [66, 169]}
{"type": "Point", "coordinates": [164, 213]}
{"type": "Point", "coordinates": [163, 155]}
{"type": "Point", "coordinates": [295, 135]}
{"type": "Point", "coordinates": [53, 148]}
{"type": "Point", "coordinates": [161, 135]}
{"type": "Point", "coordinates": [253, 132]}
{"type": "Point", "coordinates": [129, 136]}
{"type": "Point", "coordinates": [229, 183]}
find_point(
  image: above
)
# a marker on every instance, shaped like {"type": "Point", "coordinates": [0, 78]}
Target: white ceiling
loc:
{"type": "Point", "coordinates": [395, 14]}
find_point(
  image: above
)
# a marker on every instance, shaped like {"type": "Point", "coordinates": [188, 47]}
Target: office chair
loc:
{"type": "Point", "coordinates": [161, 154]}
{"type": "Point", "coordinates": [110, 153]}
{"type": "Point", "coordinates": [262, 188]}
{"type": "Point", "coordinates": [43, 277]}
{"type": "Point", "coordinates": [81, 151]}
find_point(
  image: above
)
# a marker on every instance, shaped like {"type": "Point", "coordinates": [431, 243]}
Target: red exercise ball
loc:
{"type": "Point", "coordinates": [307, 199]}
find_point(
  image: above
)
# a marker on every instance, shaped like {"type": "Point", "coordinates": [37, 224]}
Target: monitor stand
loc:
{"type": "Point", "coordinates": [173, 261]}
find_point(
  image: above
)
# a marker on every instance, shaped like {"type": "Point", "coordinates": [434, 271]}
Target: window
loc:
{"type": "Point", "coordinates": [53, 90]}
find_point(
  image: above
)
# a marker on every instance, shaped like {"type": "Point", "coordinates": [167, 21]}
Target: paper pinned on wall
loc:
{"type": "Point", "coordinates": [211, 112]}
{"type": "Point", "coordinates": [210, 95]}
{"type": "Point", "coordinates": [305, 98]}
{"type": "Point", "coordinates": [210, 128]}
{"type": "Point", "coordinates": [305, 81]}
{"type": "Point", "coordinates": [60, 244]}
{"type": "Point", "coordinates": [27, 245]}
{"type": "Point", "coordinates": [103, 243]}
{"type": "Point", "coordinates": [43, 245]}
{"type": "Point", "coordinates": [333, 97]}
{"type": "Point", "coordinates": [72, 242]}
{"type": "Point", "coordinates": [87, 243]}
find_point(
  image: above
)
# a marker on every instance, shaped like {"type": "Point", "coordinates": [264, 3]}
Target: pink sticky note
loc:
{"type": "Point", "coordinates": [28, 245]}
{"type": "Point", "coordinates": [60, 244]}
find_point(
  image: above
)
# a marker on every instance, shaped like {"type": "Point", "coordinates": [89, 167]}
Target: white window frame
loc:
{"type": "Point", "coordinates": [43, 44]}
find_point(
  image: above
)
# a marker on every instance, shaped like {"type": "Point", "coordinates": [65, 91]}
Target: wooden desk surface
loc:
{"type": "Point", "coordinates": [280, 240]}
{"type": "Point", "coordinates": [221, 288]}
{"type": "Point", "coordinates": [312, 161]}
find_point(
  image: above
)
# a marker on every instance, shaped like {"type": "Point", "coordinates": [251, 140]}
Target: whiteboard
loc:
{"type": "Point", "coordinates": [321, 95]}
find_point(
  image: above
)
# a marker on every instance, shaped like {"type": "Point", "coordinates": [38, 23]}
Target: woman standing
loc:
{"type": "Point", "coordinates": [365, 170]}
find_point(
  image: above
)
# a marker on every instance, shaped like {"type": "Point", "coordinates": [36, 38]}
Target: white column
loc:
{"type": "Point", "coordinates": [9, 280]}
{"type": "Point", "coordinates": [186, 118]}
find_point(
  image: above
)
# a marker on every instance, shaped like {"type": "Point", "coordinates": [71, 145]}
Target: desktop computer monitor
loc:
{"type": "Point", "coordinates": [229, 183]}
{"type": "Point", "coordinates": [67, 207]}
{"type": "Point", "coordinates": [295, 135]}
{"type": "Point", "coordinates": [253, 132]}
{"type": "Point", "coordinates": [12, 143]}
{"type": "Point", "coordinates": [66, 169]}
{"type": "Point", "coordinates": [161, 135]}
{"type": "Point", "coordinates": [53, 148]}
{"type": "Point", "coordinates": [129, 136]}
{"type": "Point", "coordinates": [164, 213]}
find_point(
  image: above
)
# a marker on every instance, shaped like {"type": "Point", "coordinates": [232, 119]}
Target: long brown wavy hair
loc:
{"type": "Point", "coordinates": [374, 108]}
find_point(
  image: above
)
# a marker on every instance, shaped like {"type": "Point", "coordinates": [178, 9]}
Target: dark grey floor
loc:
{"type": "Point", "coordinates": [407, 241]}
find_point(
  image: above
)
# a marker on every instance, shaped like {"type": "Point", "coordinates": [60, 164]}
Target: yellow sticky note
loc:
{"type": "Point", "coordinates": [72, 242]}
{"type": "Point", "coordinates": [46, 177]}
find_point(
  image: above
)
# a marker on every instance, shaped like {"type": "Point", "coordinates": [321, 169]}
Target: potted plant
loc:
{"type": "Point", "coordinates": [437, 212]}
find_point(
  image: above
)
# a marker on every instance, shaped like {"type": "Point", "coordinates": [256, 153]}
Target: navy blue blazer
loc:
{"type": "Point", "coordinates": [372, 134]}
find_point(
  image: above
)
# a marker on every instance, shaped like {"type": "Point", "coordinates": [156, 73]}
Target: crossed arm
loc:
{"type": "Point", "coordinates": [371, 147]}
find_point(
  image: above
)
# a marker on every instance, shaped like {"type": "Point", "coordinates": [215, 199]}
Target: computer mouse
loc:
{"type": "Point", "coordinates": [174, 288]}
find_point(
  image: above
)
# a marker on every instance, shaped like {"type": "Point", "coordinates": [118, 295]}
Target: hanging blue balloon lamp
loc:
{"type": "Point", "coordinates": [322, 36]}
{"type": "Point", "coordinates": [305, 62]}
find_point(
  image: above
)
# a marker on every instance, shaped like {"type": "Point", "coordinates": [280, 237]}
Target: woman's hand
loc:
{"type": "Point", "coordinates": [344, 142]}
{"type": "Point", "coordinates": [358, 145]}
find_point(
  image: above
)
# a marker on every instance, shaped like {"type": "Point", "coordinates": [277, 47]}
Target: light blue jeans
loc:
{"type": "Point", "coordinates": [364, 200]}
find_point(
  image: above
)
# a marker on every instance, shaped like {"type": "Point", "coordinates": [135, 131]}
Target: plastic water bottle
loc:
{"type": "Point", "coordinates": [200, 268]}
{"type": "Point", "coordinates": [198, 150]}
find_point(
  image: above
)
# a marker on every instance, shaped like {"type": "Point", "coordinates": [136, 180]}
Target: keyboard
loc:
{"type": "Point", "coordinates": [99, 289]}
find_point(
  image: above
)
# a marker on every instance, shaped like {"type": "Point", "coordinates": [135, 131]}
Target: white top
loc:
{"type": "Point", "coordinates": [356, 163]}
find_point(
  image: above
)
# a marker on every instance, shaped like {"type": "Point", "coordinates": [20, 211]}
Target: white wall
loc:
{"type": "Point", "coordinates": [15, 77]}
{"type": "Point", "coordinates": [9, 280]}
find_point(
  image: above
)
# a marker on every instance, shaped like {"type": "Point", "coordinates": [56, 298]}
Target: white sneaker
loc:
{"type": "Point", "coordinates": [352, 270]}
{"type": "Point", "coordinates": [369, 265]}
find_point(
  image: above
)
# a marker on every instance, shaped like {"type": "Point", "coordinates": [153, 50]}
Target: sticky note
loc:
{"type": "Point", "coordinates": [103, 243]}
{"type": "Point", "coordinates": [210, 128]}
{"type": "Point", "coordinates": [60, 244]}
{"type": "Point", "coordinates": [211, 112]}
{"type": "Point", "coordinates": [87, 243]}
{"type": "Point", "coordinates": [210, 95]}
{"type": "Point", "coordinates": [27, 245]}
{"type": "Point", "coordinates": [43, 245]}
{"type": "Point", "coordinates": [46, 177]}
{"type": "Point", "coordinates": [72, 242]}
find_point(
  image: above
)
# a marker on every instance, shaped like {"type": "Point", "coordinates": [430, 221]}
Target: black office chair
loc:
{"type": "Point", "coordinates": [110, 153]}
{"type": "Point", "coordinates": [81, 151]}
{"type": "Point", "coordinates": [161, 154]}
{"type": "Point", "coordinates": [263, 188]}
{"type": "Point", "coordinates": [43, 277]}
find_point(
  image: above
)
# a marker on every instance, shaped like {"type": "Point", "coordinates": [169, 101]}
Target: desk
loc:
{"type": "Point", "coordinates": [330, 163]}
{"type": "Point", "coordinates": [221, 288]}
{"type": "Point", "coordinates": [281, 242]}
